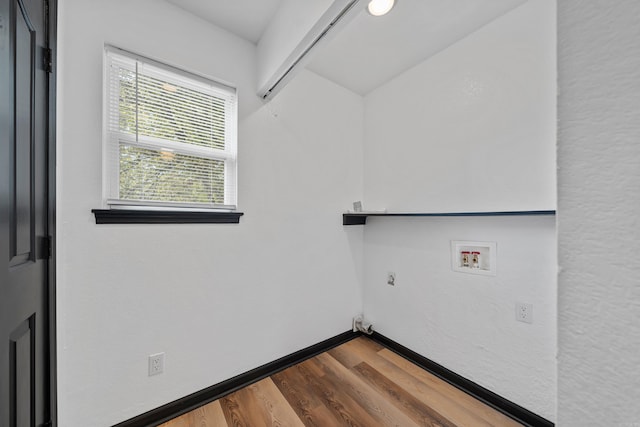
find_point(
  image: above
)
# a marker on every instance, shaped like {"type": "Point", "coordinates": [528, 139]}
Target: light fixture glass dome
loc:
{"type": "Point", "coordinates": [380, 7]}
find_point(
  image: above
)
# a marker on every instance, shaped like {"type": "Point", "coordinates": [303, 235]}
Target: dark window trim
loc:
{"type": "Point", "coordinates": [131, 216]}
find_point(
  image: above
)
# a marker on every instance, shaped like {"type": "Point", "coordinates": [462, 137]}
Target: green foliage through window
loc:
{"type": "Point", "coordinates": [154, 175]}
{"type": "Point", "coordinates": [173, 137]}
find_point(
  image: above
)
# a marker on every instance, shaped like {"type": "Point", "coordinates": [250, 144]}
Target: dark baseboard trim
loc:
{"type": "Point", "coordinates": [178, 407]}
{"type": "Point", "coordinates": [517, 412]}
{"type": "Point", "coordinates": [188, 403]}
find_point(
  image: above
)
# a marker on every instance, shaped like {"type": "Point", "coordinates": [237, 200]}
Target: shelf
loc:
{"type": "Point", "coordinates": [360, 218]}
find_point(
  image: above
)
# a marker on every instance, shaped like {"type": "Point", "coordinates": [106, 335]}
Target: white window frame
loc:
{"type": "Point", "coordinates": [112, 139]}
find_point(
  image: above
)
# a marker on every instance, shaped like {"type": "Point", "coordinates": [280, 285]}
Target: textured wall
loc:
{"type": "Point", "coordinates": [217, 299]}
{"type": "Point", "coordinates": [289, 26]}
{"type": "Point", "coordinates": [599, 204]}
{"type": "Point", "coordinates": [467, 322]}
{"type": "Point", "coordinates": [471, 128]}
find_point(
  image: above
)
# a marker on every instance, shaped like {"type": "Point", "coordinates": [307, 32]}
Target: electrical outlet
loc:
{"type": "Point", "coordinates": [524, 312]}
{"type": "Point", "coordinates": [391, 278]}
{"type": "Point", "coordinates": [156, 364]}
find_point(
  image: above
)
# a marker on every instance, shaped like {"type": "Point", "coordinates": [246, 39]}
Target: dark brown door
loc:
{"type": "Point", "coordinates": [24, 253]}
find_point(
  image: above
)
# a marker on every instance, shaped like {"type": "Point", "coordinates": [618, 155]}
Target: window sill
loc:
{"type": "Point", "coordinates": [124, 216]}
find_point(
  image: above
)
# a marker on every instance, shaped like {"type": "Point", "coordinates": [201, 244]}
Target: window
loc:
{"type": "Point", "coordinates": [170, 137]}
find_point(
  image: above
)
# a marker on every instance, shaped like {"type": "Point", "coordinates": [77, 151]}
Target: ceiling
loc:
{"type": "Point", "coordinates": [372, 50]}
{"type": "Point", "coordinates": [245, 18]}
{"type": "Point", "coordinates": [369, 51]}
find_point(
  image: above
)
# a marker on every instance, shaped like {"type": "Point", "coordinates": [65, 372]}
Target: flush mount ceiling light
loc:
{"type": "Point", "coordinates": [380, 7]}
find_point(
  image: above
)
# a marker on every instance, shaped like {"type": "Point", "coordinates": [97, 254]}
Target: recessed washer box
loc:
{"type": "Point", "coordinates": [473, 257]}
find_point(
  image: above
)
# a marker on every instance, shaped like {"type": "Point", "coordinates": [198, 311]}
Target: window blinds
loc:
{"type": "Point", "coordinates": [170, 136]}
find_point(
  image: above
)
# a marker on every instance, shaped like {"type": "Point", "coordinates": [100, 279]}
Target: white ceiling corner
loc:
{"type": "Point", "coordinates": [369, 51]}
{"type": "Point", "coordinates": [372, 50]}
{"type": "Point", "coordinates": [247, 19]}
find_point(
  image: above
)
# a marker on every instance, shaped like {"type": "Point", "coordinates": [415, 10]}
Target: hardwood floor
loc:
{"type": "Point", "coordinates": [359, 383]}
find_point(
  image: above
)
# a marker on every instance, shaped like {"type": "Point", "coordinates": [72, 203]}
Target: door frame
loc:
{"type": "Point", "coordinates": [51, 35]}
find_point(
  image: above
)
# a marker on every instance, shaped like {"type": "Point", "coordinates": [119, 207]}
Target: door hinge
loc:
{"type": "Point", "coordinates": [48, 424]}
{"type": "Point", "coordinates": [45, 249]}
{"type": "Point", "coordinates": [47, 60]}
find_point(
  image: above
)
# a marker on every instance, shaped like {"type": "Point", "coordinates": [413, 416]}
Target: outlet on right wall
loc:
{"type": "Point", "coordinates": [471, 129]}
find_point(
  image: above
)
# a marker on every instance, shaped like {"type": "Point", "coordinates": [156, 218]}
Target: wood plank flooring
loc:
{"type": "Point", "coordinates": [359, 383]}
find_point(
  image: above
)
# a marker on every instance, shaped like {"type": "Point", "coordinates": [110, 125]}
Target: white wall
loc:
{"type": "Point", "coordinates": [467, 322]}
{"type": "Point", "coordinates": [217, 299]}
{"type": "Point", "coordinates": [471, 129]}
{"type": "Point", "coordinates": [287, 29]}
{"type": "Point", "coordinates": [598, 226]}
{"type": "Point", "coordinates": [231, 297]}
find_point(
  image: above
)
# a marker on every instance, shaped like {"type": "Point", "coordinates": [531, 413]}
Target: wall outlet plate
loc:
{"type": "Point", "coordinates": [524, 312]}
{"type": "Point", "coordinates": [156, 364]}
{"type": "Point", "coordinates": [487, 258]}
